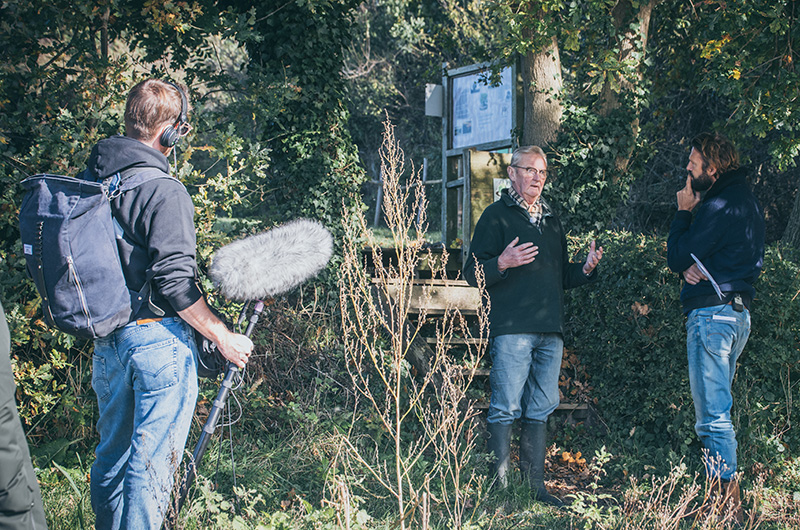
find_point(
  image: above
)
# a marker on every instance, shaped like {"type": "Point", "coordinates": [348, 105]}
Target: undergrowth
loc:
{"type": "Point", "coordinates": [315, 437]}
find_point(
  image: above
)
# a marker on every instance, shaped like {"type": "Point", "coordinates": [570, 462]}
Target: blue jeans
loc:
{"type": "Point", "coordinates": [715, 337]}
{"type": "Point", "coordinates": [524, 377]}
{"type": "Point", "coordinates": [145, 378]}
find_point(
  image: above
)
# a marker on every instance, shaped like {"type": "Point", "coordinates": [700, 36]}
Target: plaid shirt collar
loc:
{"type": "Point", "coordinates": [536, 211]}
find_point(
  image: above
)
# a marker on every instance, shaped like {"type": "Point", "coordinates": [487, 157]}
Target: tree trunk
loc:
{"type": "Point", "coordinates": [541, 77]}
{"type": "Point", "coordinates": [791, 236]}
{"type": "Point", "coordinates": [631, 39]}
{"type": "Point", "coordinates": [104, 33]}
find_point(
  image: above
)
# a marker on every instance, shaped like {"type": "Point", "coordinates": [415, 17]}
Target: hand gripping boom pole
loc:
{"type": "Point", "coordinates": [231, 371]}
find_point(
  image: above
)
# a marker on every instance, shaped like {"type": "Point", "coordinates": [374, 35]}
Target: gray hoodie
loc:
{"type": "Point", "coordinates": [157, 219]}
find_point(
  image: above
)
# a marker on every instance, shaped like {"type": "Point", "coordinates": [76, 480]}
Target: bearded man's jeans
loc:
{"type": "Point", "coordinates": [145, 378]}
{"type": "Point", "coordinates": [524, 376]}
{"type": "Point", "coordinates": [715, 337]}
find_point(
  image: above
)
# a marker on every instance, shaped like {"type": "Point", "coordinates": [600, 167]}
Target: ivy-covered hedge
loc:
{"type": "Point", "coordinates": [629, 332]}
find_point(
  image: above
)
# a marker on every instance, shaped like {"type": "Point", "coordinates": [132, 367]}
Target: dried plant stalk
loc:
{"type": "Point", "coordinates": [377, 334]}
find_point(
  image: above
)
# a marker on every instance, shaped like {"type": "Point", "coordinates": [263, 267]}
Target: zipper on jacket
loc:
{"type": "Point", "coordinates": [73, 274]}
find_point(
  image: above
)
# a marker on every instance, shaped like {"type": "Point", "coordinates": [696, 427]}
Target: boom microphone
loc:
{"type": "Point", "coordinates": [256, 267]}
{"type": "Point", "coordinates": [272, 262]}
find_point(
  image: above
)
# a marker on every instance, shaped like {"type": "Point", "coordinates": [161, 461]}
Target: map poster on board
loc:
{"type": "Point", "coordinates": [481, 113]}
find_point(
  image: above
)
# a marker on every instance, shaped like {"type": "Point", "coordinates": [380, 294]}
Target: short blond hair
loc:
{"type": "Point", "coordinates": [151, 104]}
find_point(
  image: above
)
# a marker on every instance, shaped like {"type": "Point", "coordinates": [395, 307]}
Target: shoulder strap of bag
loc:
{"type": "Point", "coordinates": [129, 179]}
{"type": "Point", "coordinates": [117, 184]}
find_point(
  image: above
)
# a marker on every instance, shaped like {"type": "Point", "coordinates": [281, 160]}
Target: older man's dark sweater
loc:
{"type": "Point", "coordinates": [530, 298]}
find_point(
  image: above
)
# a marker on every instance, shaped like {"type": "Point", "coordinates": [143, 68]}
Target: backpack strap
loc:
{"type": "Point", "coordinates": [116, 185]}
{"type": "Point", "coordinates": [128, 179]}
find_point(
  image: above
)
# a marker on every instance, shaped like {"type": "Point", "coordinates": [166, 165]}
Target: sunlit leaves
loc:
{"type": "Point", "coordinates": [748, 54]}
{"type": "Point", "coordinates": [170, 15]}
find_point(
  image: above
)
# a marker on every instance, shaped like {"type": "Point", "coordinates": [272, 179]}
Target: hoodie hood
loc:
{"type": "Point", "coordinates": [119, 153]}
{"type": "Point", "coordinates": [733, 177]}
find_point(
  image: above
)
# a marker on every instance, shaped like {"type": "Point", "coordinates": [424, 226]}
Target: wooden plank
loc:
{"type": "Point", "coordinates": [476, 372]}
{"type": "Point", "coordinates": [435, 297]}
{"type": "Point", "coordinates": [455, 183]}
{"type": "Point", "coordinates": [484, 405]}
{"type": "Point", "coordinates": [433, 281]}
{"type": "Point", "coordinates": [456, 341]}
{"type": "Point", "coordinates": [573, 406]}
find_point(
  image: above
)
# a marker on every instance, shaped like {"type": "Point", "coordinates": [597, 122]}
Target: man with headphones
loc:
{"type": "Point", "coordinates": [145, 373]}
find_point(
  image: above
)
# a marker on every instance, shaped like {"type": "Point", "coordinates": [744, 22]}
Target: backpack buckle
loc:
{"type": "Point", "coordinates": [111, 185]}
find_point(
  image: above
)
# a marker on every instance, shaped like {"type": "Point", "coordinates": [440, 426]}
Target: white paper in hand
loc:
{"type": "Point", "coordinates": [708, 275]}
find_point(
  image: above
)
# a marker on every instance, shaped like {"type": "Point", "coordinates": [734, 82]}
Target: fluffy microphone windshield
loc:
{"type": "Point", "coordinates": [272, 262]}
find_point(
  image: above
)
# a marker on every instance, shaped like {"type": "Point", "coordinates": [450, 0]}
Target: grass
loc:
{"type": "Point", "coordinates": [284, 490]}
{"type": "Point", "coordinates": [295, 405]}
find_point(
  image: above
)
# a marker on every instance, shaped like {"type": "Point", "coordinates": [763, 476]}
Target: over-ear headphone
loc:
{"type": "Point", "coordinates": [172, 134]}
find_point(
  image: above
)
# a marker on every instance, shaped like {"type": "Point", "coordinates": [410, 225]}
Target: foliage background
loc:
{"type": "Point", "coordinates": [288, 101]}
{"type": "Point", "coordinates": [628, 334]}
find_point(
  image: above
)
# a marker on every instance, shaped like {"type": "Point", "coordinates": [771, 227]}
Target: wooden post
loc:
{"type": "Point", "coordinates": [424, 189]}
{"type": "Point", "coordinates": [379, 200]}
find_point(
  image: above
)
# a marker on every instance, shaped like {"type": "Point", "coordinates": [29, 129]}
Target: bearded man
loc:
{"type": "Point", "coordinates": [720, 254]}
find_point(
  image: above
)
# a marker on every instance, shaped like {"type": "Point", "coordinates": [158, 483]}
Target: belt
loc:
{"type": "Point", "coordinates": [747, 300]}
{"type": "Point", "coordinates": [727, 299]}
{"type": "Point", "coordinates": [712, 300]}
{"type": "Point", "coordinates": [147, 321]}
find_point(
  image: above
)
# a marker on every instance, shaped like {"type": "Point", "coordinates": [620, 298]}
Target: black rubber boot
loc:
{"type": "Point", "coordinates": [499, 443]}
{"type": "Point", "coordinates": [532, 449]}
